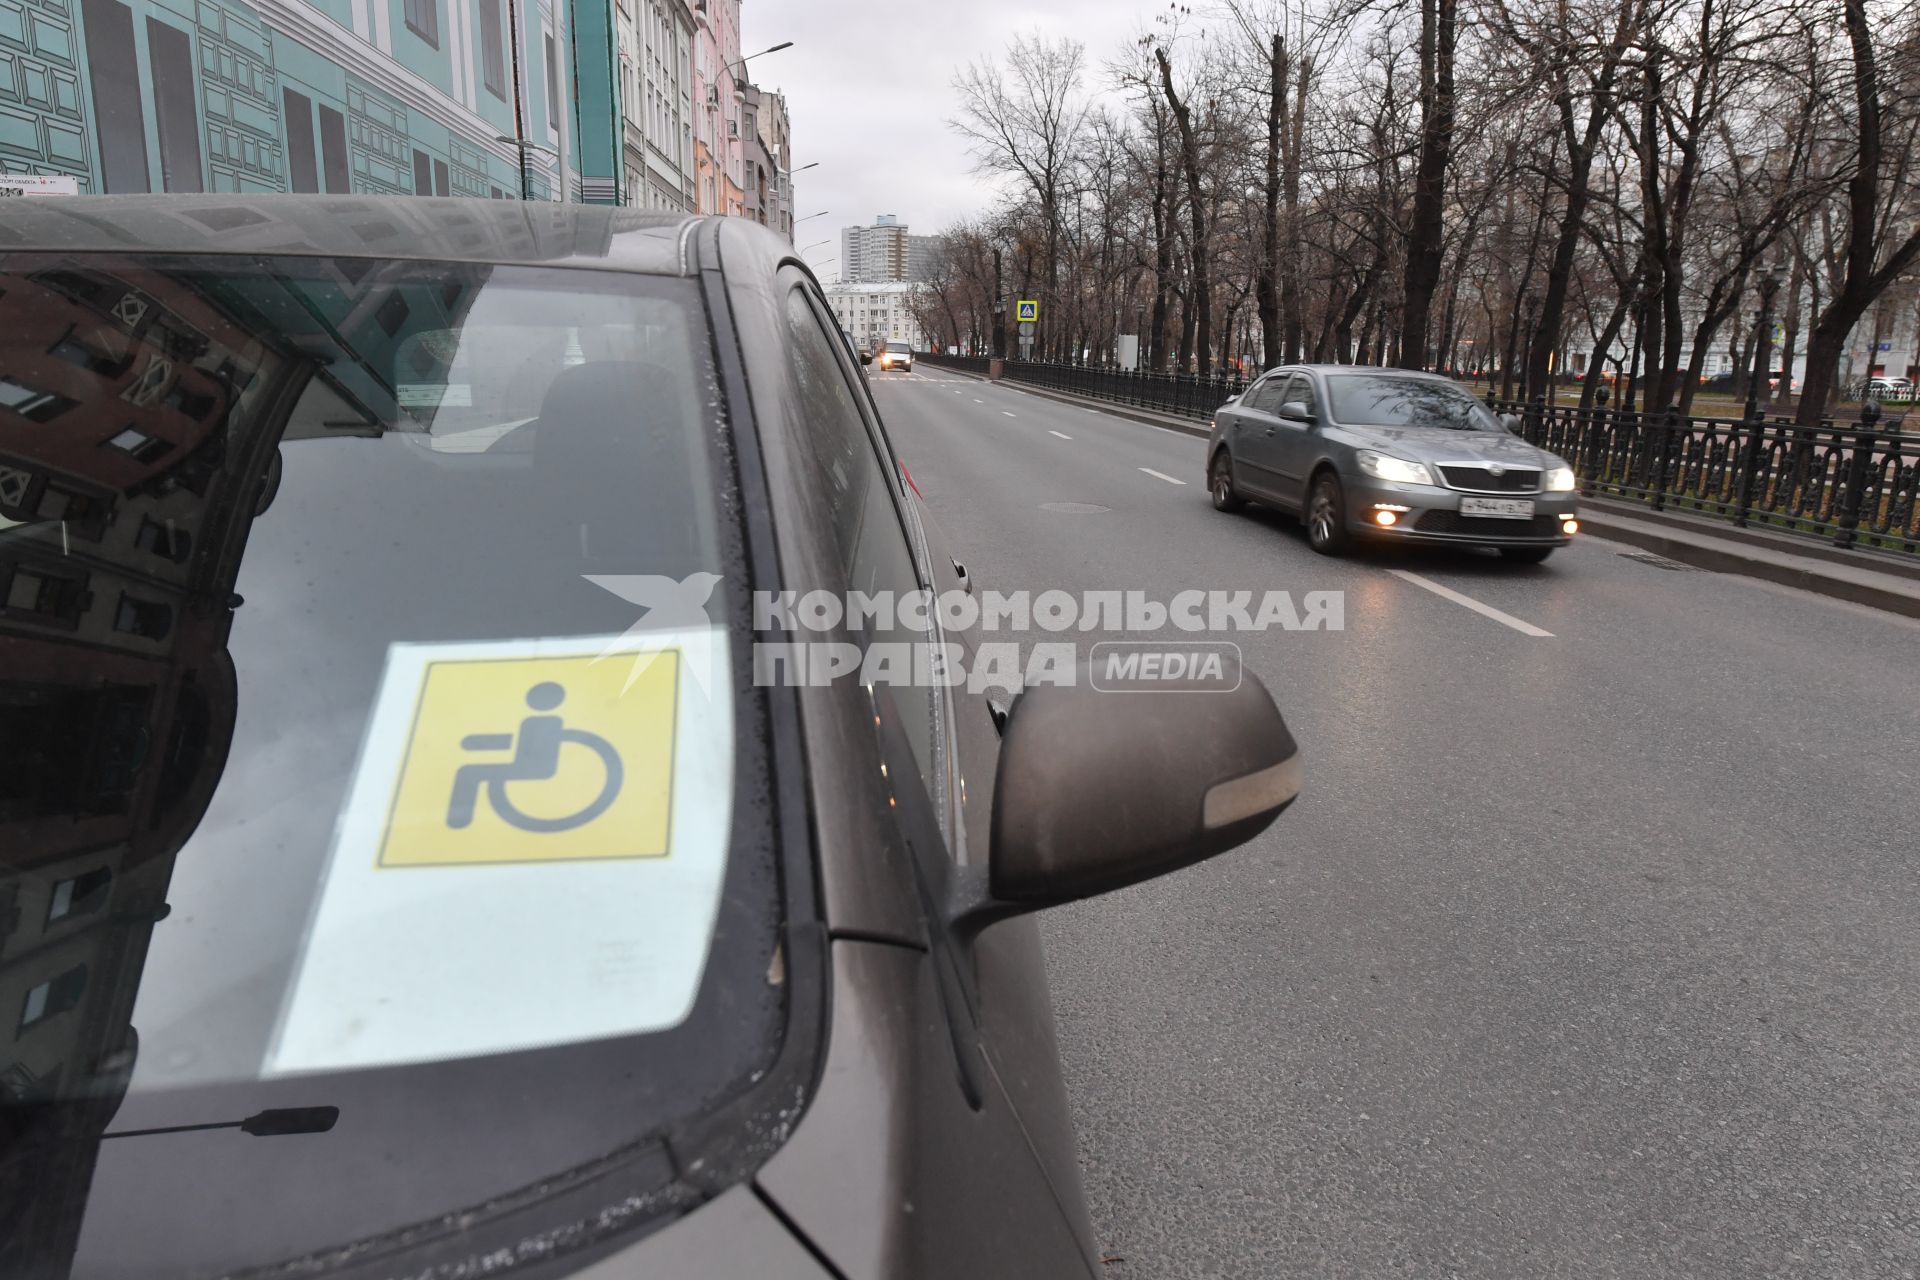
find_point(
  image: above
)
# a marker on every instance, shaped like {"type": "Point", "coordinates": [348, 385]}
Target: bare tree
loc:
{"type": "Point", "coordinates": [1029, 120]}
{"type": "Point", "coordinates": [1875, 249]}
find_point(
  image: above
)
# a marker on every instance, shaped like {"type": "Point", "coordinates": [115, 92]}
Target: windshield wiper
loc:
{"type": "Point", "coordinates": [276, 1122]}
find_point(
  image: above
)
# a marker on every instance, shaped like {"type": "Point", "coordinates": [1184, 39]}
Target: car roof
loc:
{"type": "Point", "coordinates": [1366, 368]}
{"type": "Point", "coordinates": [370, 226]}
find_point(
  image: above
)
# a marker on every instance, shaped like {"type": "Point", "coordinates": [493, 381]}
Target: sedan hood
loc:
{"type": "Point", "coordinates": [1438, 444]}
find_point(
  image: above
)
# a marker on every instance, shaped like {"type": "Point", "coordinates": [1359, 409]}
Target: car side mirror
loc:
{"type": "Point", "coordinates": [1511, 421]}
{"type": "Point", "coordinates": [1103, 787]}
{"type": "Point", "coordinates": [1296, 411]}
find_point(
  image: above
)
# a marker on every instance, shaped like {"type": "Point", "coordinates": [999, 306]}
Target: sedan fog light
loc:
{"type": "Point", "coordinates": [1569, 526]}
{"type": "Point", "coordinates": [1386, 517]}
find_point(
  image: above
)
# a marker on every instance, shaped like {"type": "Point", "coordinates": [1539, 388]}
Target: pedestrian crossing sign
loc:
{"type": "Point", "coordinates": [1026, 311]}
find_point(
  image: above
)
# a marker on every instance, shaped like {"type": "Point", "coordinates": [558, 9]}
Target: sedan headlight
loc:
{"type": "Point", "coordinates": [1559, 479]}
{"type": "Point", "coordinates": [1383, 466]}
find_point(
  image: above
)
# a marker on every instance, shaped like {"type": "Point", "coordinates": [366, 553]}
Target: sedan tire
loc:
{"type": "Point", "coordinates": [1220, 484]}
{"type": "Point", "coordinates": [1327, 516]}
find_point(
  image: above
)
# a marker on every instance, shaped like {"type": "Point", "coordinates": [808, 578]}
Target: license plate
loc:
{"type": "Point", "coordinates": [1505, 508]}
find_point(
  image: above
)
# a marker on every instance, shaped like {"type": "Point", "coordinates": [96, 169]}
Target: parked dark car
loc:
{"type": "Point", "coordinates": [411, 866]}
{"type": "Point", "coordinates": [1387, 454]}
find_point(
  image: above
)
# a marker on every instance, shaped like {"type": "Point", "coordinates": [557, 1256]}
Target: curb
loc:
{"type": "Point", "coordinates": [1700, 526]}
{"type": "Point", "coordinates": [1696, 552]}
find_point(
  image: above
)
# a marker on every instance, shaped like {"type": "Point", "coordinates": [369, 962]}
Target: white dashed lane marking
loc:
{"type": "Point", "coordinates": [1161, 475]}
{"type": "Point", "coordinates": [1468, 602]}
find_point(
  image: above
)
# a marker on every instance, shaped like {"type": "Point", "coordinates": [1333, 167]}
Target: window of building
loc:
{"type": "Point", "coordinates": [137, 443]}
{"type": "Point", "coordinates": [54, 997]}
{"type": "Point", "coordinates": [85, 356]}
{"type": "Point", "coordinates": [303, 164]}
{"type": "Point", "coordinates": [174, 89]}
{"type": "Point", "coordinates": [163, 540]}
{"type": "Point", "coordinates": [553, 86]}
{"type": "Point", "coordinates": [147, 618]}
{"type": "Point", "coordinates": [48, 595]}
{"type": "Point", "coordinates": [493, 58]}
{"type": "Point", "coordinates": [36, 406]}
{"type": "Point", "coordinates": [423, 19]}
{"type": "Point", "coordinates": [79, 895]}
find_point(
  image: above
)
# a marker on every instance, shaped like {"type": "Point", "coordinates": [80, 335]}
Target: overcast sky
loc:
{"type": "Point", "coordinates": [869, 87]}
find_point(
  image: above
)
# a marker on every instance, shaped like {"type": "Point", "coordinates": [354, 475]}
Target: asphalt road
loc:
{"type": "Point", "coordinates": [1594, 953]}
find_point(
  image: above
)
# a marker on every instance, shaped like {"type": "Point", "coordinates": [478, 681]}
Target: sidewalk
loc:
{"type": "Point", "coordinates": [1882, 580]}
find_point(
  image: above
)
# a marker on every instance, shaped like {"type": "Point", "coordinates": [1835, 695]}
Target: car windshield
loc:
{"type": "Point", "coordinates": [899, 346]}
{"type": "Point", "coordinates": [370, 773]}
{"type": "Point", "coordinates": [1383, 400]}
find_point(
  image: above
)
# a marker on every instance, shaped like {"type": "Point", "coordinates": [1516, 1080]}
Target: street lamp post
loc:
{"type": "Point", "coordinates": [724, 145]}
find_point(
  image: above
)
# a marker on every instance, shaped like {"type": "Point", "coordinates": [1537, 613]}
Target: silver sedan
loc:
{"type": "Point", "coordinates": [1389, 454]}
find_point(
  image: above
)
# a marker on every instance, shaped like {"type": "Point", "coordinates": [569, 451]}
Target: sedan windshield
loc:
{"type": "Point", "coordinates": [900, 347]}
{"type": "Point", "coordinates": [380, 845]}
{"type": "Point", "coordinates": [1384, 400]}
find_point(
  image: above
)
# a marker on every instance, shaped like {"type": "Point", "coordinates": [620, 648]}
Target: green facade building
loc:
{"type": "Point", "coordinates": [347, 96]}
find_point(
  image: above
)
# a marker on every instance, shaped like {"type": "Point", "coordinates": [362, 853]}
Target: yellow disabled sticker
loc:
{"type": "Point", "coordinates": [536, 760]}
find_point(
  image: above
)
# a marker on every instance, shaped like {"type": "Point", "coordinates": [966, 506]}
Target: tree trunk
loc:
{"type": "Point", "coordinates": [1602, 345]}
{"type": "Point", "coordinates": [1292, 303]}
{"type": "Point", "coordinates": [1201, 287]}
{"type": "Point", "coordinates": [1580, 151]}
{"type": "Point", "coordinates": [1426, 234]}
{"type": "Point", "coordinates": [1790, 339]}
{"type": "Point", "coordinates": [1266, 285]}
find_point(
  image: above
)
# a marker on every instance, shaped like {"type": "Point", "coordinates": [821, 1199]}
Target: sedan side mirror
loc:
{"type": "Point", "coordinates": [1511, 421]}
{"type": "Point", "coordinates": [1296, 411]}
{"type": "Point", "coordinates": [1101, 788]}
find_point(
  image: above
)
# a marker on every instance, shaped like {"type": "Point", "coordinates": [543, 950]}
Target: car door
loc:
{"type": "Point", "coordinates": [1251, 439]}
{"type": "Point", "coordinates": [913, 1160]}
{"type": "Point", "coordinates": [1294, 442]}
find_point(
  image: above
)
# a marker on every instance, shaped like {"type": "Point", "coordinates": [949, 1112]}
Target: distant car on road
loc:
{"type": "Point", "coordinates": [1388, 455]}
{"type": "Point", "coordinates": [897, 355]}
{"type": "Point", "coordinates": [1889, 388]}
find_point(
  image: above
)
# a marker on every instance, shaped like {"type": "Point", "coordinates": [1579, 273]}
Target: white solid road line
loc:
{"type": "Point", "coordinates": [1063, 435]}
{"type": "Point", "coordinates": [1161, 475]}
{"type": "Point", "coordinates": [1485, 610]}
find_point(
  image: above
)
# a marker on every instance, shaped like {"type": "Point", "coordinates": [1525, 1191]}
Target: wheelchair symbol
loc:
{"type": "Point", "coordinates": [536, 757]}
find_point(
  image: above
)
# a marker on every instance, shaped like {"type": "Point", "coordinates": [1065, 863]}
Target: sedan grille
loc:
{"type": "Point", "coordinates": [1481, 480]}
{"type": "Point", "coordinates": [1487, 526]}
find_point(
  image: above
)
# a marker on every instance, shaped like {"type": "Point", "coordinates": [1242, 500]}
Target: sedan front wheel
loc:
{"type": "Point", "coordinates": [1327, 516]}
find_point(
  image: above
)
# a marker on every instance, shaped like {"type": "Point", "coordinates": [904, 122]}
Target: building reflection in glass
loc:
{"type": "Point", "coordinates": [141, 413]}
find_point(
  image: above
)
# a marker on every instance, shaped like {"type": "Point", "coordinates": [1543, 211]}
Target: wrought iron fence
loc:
{"type": "Point", "coordinates": [971, 364]}
{"type": "Point", "coordinates": [1856, 484]}
{"type": "Point", "coordinates": [1186, 394]}
{"type": "Point", "coordinates": [1852, 483]}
